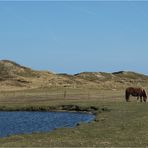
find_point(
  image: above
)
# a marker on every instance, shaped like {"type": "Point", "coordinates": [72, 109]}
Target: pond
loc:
{"type": "Point", "coordinates": [21, 122]}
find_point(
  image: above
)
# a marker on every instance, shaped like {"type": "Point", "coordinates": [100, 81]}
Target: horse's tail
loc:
{"type": "Point", "coordinates": [144, 95]}
{"type": "Point", "coordinates": [126, 95]}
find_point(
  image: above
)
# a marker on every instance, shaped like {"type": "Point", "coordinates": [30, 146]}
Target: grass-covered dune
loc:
{"type": "Point", "coordinates": [16, 77]}
{"type": "Point", "coordinates": [117, 123]}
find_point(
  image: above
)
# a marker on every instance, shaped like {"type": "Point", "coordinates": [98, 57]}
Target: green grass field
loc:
{"type": "Point", "coordinates": [122, 125]}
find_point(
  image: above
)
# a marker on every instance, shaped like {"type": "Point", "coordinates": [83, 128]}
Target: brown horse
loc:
{"type": "Point", "coordinates": [136, 92]}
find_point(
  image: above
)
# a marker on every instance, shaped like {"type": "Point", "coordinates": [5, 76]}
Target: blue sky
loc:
{"type": "Point", "coordinates": [71, 37]}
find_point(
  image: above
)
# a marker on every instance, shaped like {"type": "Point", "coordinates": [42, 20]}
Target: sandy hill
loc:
{"type": "Point", "coordinates": [14, 77]}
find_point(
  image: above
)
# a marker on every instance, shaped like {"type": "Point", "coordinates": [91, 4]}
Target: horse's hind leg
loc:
{"type": "Point", "coordinates": [140, 99]}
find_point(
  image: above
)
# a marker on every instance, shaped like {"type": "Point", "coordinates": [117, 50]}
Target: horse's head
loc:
{"type": "Point", "coordinates": [144, 99]}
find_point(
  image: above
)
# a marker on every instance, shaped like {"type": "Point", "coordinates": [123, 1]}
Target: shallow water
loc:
{"type": "Point", "coordinates": [20, 122]}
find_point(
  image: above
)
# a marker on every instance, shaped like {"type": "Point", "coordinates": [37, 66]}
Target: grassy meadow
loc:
{"type": "Point", "coordinates": [121, 125]}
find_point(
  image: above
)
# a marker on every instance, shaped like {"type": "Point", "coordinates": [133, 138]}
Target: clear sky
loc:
{"type": "Point", "coordinates": [71, 37]}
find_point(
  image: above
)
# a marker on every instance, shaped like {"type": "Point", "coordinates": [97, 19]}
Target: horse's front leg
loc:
{"type": "Point", "coordinates": [138, 98]}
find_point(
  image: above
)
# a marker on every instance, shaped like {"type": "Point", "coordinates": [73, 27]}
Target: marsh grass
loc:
{"type": "Point", "coordinates": [123, 125]}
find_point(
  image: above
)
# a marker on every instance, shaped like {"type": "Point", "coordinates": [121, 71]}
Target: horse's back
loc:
{"type": "Point", "coordinates": [134, 89]}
